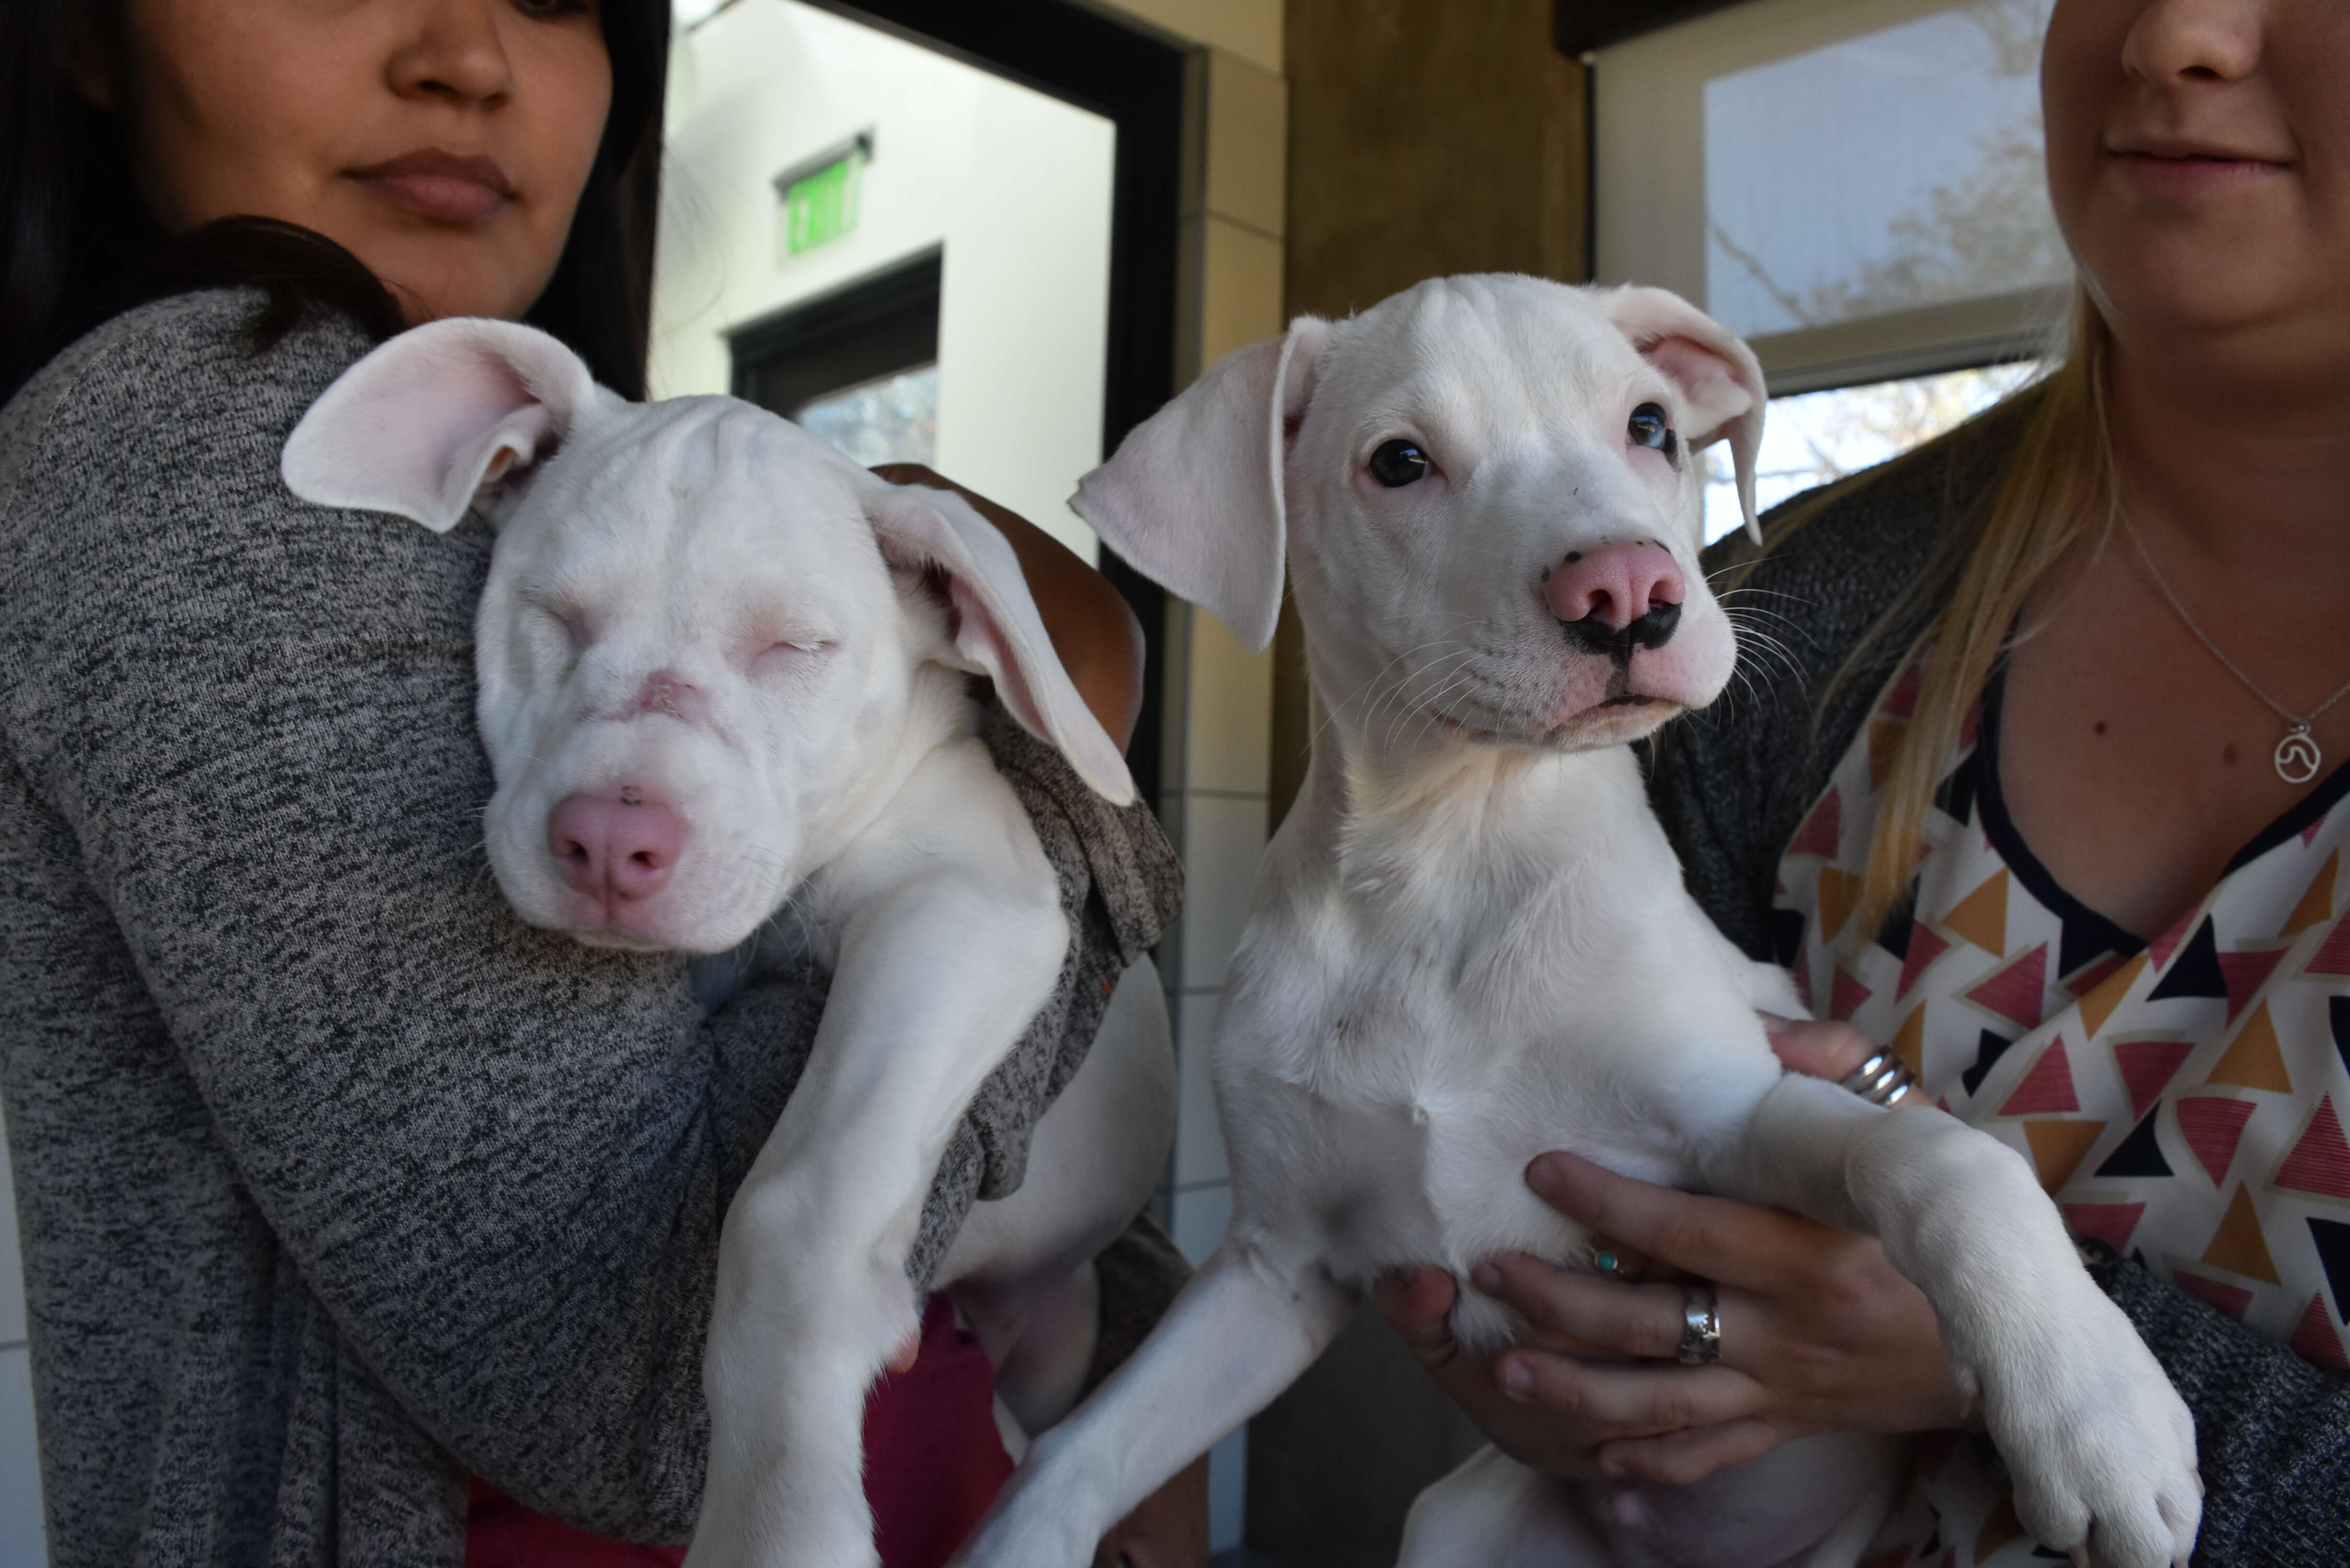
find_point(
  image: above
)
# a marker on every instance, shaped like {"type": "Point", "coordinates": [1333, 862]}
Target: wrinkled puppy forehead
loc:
{"type": "Point", "coordinates": [1482, 359]}
{"type": "Point", "coordinates": [700, 495]}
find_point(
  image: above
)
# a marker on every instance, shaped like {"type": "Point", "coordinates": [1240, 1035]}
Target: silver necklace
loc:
{"type": "Point", "coordinates": [2298, 759]}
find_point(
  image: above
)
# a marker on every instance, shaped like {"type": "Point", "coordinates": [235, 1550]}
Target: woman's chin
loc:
{"type": "Point", "coordinates": [437, 271]}
{"type": "Point", "coordinates": [2201, 277]}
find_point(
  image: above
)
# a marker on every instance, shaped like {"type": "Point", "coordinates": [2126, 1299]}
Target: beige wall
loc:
{"type": "Point", "coordinates": [1426, 138]}
{"type": "Point", "coordinates": [1423, 139]}
{"type": "Point", "coordinates": [1218, 713]}
{"type": "Point", "coordinates": [1245, 30]}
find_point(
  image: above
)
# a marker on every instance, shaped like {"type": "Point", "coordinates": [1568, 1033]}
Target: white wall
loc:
{"type": "Point", "coordinates": [982, 185]}
{"type": "Point", "coordinates": [1016, 185]}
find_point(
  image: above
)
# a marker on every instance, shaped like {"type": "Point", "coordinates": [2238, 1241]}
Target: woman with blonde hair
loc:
{"type": "Point", "coordinates": [2054, 816]}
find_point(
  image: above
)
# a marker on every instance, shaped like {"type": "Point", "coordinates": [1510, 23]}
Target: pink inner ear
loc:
{"type": "Point", "coordinates": [977, 635]}
{"type": "Point", "coordinates": [1707, 380]}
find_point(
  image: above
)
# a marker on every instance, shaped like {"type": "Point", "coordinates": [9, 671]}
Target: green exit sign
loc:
{"type": "Point", "coordinates": [822, 195]}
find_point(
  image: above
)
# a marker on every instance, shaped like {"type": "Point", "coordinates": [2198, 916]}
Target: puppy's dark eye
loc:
{"type": "Point", "coordinates": [1647, 428]}
{"type": "Point", "coordinates": [1397, 463]}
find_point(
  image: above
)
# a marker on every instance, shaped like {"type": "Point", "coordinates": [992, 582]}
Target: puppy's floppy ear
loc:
{"type": "Point", "coordinates": [435, 419]}
{"type": "Point", "coordinates": [1719, 378]}
{"type": "Point", "coordinates": [1193, 496]}
{"type": "Point", "coordinates": [993, 621]}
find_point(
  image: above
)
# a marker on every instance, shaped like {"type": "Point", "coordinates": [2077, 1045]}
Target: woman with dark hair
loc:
{"type": "Point", "coordinates": [2052, 814]}
{"type": "Point", "coordinates": [338, 1186]}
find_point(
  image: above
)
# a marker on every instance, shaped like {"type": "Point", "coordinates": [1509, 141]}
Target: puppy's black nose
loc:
{"type": "Point", "coordinates": [1655, 628]}
{"type": "Point", "coordinates": [1652, 631]}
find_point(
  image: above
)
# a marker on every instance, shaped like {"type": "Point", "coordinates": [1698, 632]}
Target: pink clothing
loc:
{"type": "Point", "coordinates": [932, 1464]}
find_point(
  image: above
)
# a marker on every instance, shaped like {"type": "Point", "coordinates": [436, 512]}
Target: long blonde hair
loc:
{"type": "Point", "coordinates": [2057, 486]}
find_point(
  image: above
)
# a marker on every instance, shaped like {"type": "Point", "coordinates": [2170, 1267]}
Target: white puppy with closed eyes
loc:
{"type": "Point", "coordinates": [1470, 943]}
{"type": "Point", "coordinates": [721, 668]}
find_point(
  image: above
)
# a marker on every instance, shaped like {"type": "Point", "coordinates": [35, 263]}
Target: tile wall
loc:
{"type": "Point", "coordinates": [1219, 696]}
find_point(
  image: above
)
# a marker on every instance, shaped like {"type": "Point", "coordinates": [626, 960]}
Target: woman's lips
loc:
{"type": "Point", "coordinates": [445, 187]}
{"type": "Point", "coordinates": [2182, 172]}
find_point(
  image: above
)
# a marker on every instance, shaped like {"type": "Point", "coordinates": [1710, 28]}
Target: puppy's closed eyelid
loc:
{"type": "Point", "coordinates": [793, 644]}
{"type": "Point", "coordinates": [572, 619]}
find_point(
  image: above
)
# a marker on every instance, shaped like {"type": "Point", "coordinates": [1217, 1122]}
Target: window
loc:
{"type": "Point", "coordinates": [857, 366]}
{"type": "Point", "coordinates": [892, 420]}
{"type": "Point", "coordinates": [1853, 185]}
{"type": "Point", "coordinates": [1816, 438]}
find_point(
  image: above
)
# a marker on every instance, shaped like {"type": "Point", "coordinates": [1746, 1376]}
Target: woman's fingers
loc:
{"type": "Point", "coordinates": [1418, 1304]}
{"type": "Point", "coordinates": [1630, 1399]}
{"type": "Point", "coordinates": [1830, 1051]}
{"type": "Point", "coordinates": [1713, 1238]}
{"type": "Point", "coordinates": [1677, 1459]}
{"type": "Point", "coordinates": [1597, 1316]}
{"type": "Point", "coordinates": [1816, 1049]}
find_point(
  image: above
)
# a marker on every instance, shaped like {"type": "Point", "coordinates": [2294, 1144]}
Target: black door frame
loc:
{"type": "Point", "coordinates": [878, 325]}
{"type": "Point", "coordinates": [1137, 83]}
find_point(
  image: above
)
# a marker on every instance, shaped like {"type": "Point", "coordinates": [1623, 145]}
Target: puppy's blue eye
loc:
{"type": "Point", "coordinates": [1397, 463]}
{"type": "Point", "coordinates": [1647, 428]}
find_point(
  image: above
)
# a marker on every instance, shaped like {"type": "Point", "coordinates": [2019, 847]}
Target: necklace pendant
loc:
{"type": "Point", "coordinates": [2297, 756]}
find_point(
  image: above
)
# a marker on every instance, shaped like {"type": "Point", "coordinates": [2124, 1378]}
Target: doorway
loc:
{"type": "Point", "coordinates": [930, 235]}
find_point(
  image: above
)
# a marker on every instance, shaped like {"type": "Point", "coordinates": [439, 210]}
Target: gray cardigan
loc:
{"type": "Point", "coordinates": [1732, 785]}
{"type": "Point", "coordinates": [336, 1183]}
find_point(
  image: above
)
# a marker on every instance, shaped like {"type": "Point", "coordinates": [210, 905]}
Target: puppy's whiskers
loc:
{"type": "Point", "coordinates": [1399, 703]}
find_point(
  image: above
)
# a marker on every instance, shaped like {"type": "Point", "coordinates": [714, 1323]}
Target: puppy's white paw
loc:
{"type": "Point", "coordinates": [802, 1542]}
{"type": "Point", "coordinates": [1043, 1517]}
{"type": "Point", "coordinates": [1027, 1537]}
{"type": "Point", "coordinates": [2101, 1446]}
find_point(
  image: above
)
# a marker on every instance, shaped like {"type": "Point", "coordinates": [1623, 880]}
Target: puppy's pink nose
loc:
{"type": "Point", "coordinates": [614, 849]}
{"type": "Point", "coordinates": [1614, 584]}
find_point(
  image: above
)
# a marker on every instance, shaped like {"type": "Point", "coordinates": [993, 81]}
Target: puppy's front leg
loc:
{"type": "Point", "coordinates": [2102, 1448]}
{"type": "Point", "coordinates": [1252, 1319]}
{"type": "Point", "coordinates": [936, 977]}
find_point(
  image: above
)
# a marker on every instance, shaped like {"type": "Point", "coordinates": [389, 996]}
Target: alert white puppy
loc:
{"type": "Point", "coordinates": [1470, 942]}
{"type": "Point", "coordinates": [722, 667]}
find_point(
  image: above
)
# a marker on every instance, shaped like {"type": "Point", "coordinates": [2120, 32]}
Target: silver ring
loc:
{"type": "Point", "coordinates": [1881, 1080]}
{"type": "Point", "coordinates": [1700, 1328]}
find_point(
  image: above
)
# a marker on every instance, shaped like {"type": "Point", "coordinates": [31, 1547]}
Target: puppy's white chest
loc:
{"type": "Point", "coordinates": [1407, 1109]}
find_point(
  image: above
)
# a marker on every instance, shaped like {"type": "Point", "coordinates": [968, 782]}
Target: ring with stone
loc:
{"type": "Point", "coordinates": [1700, 1327]}
{"type": "Point", "coordinates": [1610, 1263]}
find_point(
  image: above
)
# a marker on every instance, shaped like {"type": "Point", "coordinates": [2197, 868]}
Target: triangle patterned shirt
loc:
{"type": "Point", "coordinates": [2183, 1099]}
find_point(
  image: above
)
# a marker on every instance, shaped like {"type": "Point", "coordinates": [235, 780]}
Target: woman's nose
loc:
{"type": "Point", "coordinates": [2188, 40]}
{"type": "Point", "coordinates": [453, 48]}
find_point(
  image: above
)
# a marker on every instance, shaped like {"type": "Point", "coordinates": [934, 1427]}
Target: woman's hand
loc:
{"type": "Point", "coordinates": [1095, 636]}
{"type": "Point", "coordinates": [1169, 1529]}
{"type": "Point", "coordinates": [1418, 1305]}
{"type": "Point", "coordinates": [1818, 1331]}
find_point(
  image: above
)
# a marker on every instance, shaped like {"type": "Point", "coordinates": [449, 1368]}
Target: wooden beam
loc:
{"type": "Point", "coordinates": [1581, 26]}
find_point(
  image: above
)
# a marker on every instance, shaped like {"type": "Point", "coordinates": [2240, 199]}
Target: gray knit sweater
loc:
{"type": "Point", "coordinates": [336, 1183]}
{"type": "Point", "coordinates": [1732, 785]}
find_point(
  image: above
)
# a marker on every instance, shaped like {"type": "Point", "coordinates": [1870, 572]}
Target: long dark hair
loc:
{"type": "Point", "coordinates": [76, 244]}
